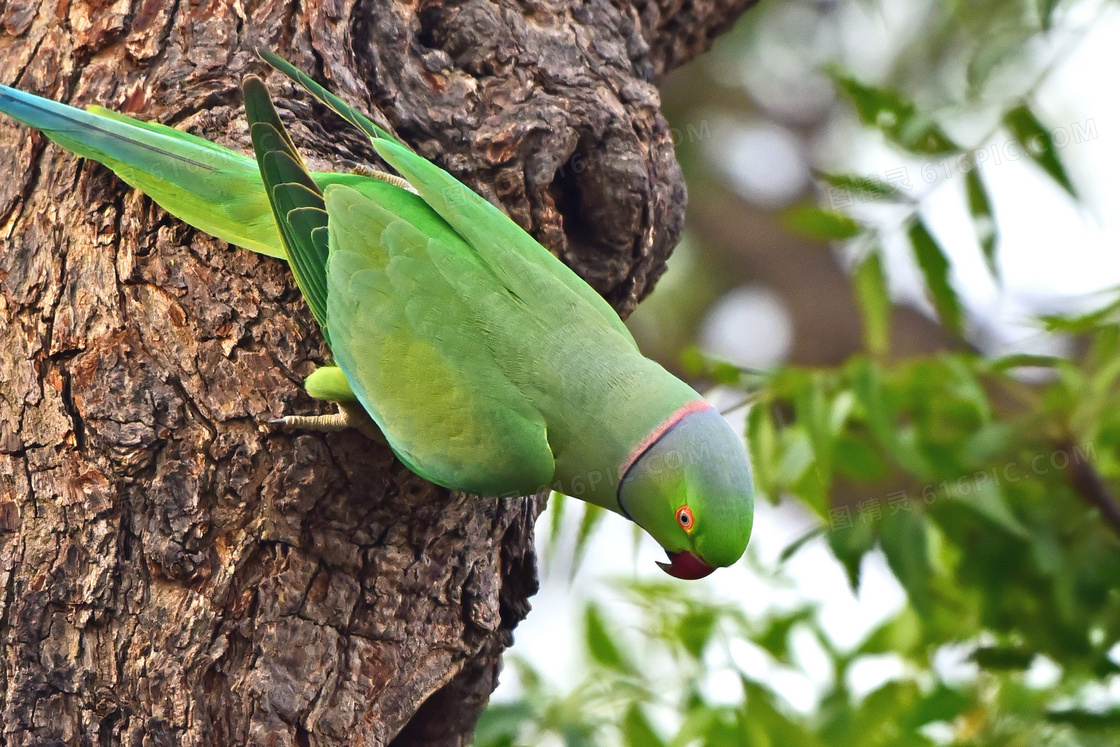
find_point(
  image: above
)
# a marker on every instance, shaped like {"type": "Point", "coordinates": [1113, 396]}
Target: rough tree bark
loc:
{"type": "Point", "coordinates": [171, 572]}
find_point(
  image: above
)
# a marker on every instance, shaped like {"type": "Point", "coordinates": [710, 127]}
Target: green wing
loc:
{"type": "Point", "coordinates": [412, 346]}
{"type": "Point", "coordinates": [414, 322]}
{"type": "Point", "coordinates": [486, 228]}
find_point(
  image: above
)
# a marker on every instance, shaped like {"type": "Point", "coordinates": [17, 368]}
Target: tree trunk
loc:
{"type": "Point", "coordinates": [171, 571]}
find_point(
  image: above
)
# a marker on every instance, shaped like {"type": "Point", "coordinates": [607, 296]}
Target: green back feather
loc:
{"type": "Point", "coordinates": [490, 231]}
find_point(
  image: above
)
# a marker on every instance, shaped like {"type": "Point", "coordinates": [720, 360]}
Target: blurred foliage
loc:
{"type": "Point", "coordinates": [987, 483]}
{"type": "Point", "coordinates": [972, 484]}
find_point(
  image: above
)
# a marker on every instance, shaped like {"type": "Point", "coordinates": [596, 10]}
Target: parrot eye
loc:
{"type": "Point", "coordinates": [684, 518]}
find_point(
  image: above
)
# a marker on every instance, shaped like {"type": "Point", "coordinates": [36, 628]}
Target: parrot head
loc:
{"type": "Point", "coordinates": [691, 489]}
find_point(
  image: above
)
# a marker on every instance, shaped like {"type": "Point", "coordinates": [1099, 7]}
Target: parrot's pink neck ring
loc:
{"type": "Point", "coordinates": [695, 405]}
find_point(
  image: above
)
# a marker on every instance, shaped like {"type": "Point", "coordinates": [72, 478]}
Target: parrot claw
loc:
{"type": "Point", "coordinates": [346, 417]}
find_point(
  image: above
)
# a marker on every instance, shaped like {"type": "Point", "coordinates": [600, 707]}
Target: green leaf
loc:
{"type": "Point", "coordinates": [775, 639]}
{"type": "Point", "coordinates": [723, 732]}
{"type": "Point", "coordinates": [1086, 719]}
{"type": "Point", "coordinates": [812, 489]}
{"type": "Point", "coordinates": [600, 644]}
{"type": "Point", "coordinates": [531, 679]}
{"type": "Point", "coordinates": [886, 707]}
{"type": "Point", "coordinates": [999, 49]}
{"type": "Point", "coordinates": [693, 361]}
{"type": "Point", "coordinates": [849, 545]}
{"type": "Point", "coordinates": [556, 504]}
{"type": "Point", "coordinates": [791, 549]}
{"type": "Point", "coordinates": [942, 704]}
{"type": "Point", "coordinates": [762, 441]}
{"type": "Point", "coordinates": [796, 458]}
{"type": "Point", "coordinates": [1035, 140]}
{"type": "Point", "coordinates": [843, 405]}
{"type": "Point", "coordinates": [983, 222]}
{"type": "Point", "coordinates": [935, 269]}
{"type": "Point", "coordinates": [874, 303]}
{"type": "Point", "coordinates": [815, 223]}
{"type": "Point", "coordinates": [988, 501]}
{"type": "Point", "coordinates": [696, 725]}
{"type": "Point", "coordinates": [695, 631]}
{"type": "Point", "coordinates": [905, 542]}
{"type": "Point", "coordinates": [857, 459]}
{"type": "Point", "coordinates": [1046, 12]}
{"type": "Point", "coordinates": [501, 724]}
{"type": "Point", "coordinates": [1080, 324]}
{"type": "Point", "coordinates": [592, 515]}
{"type": "Point", "coordinates": [726, 374]}
{"type": "Point", "coordinates": [867, 384]}
{"type": "Point", "coordinates": [814, 414]}
{"type": "Point", "coordinates": [1104, 349]}
{"type": "Point", "coordinates": [638, 731]}
{"type": "Point", "coordinates": [1002, 657]}
{"type": "Point", "coordinates": [863, 188]}
{"type": "Point", "coordinates": [763, 723]}
{"type": "Point", "coordinates": [897, 118]}
{"type": "Point", "coordinates": [901, 635]}
{"type": "Point", "coordinates": [1024, 360]}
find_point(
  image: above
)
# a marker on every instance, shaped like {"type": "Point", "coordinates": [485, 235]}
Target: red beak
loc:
{"type": "Point", "coordinates": [685, 565]}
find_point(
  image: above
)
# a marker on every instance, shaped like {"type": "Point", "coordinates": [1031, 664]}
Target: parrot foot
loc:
{"type": "Point", "coordinates": [348, 416]}
{"type": "Point", "coordinates": [396, 181]}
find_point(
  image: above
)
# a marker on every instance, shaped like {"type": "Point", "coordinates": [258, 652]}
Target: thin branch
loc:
{"type": "Point", "coordinates": [1091, 486]}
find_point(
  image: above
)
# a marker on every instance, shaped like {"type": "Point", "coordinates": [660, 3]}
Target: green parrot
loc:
{"type": "Point", "coordinates": [486, 363]}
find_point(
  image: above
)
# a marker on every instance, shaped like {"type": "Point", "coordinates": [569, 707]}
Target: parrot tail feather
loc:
{"type": "Point", "coordinates": [211, 187]}
{"type": "Point", "coordinates": [95, 136]}
{"type": "Point", "coordinates": [325, 97]}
